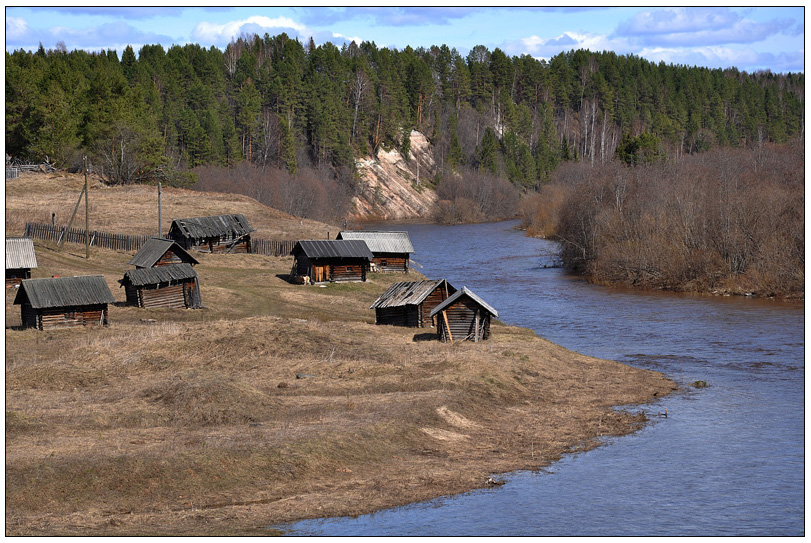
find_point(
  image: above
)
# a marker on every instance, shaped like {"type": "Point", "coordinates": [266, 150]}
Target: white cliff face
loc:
{"type": "Point", "coordinates": [394, 188]}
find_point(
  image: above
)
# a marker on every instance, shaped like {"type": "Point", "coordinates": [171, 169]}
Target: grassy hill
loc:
{"type": "Point", "coordinates": [276, 401]}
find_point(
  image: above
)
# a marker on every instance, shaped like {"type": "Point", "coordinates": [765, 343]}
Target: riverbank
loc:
{"type": "Point", "coordinates": [277, 402]}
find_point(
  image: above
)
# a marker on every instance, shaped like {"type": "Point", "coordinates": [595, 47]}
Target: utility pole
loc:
{"type": "Point", "coordinates": [159, 211]}
{"type": "Point", "coordinates": [86, 214]}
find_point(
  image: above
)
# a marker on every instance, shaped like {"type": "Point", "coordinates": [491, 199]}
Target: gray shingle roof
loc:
{"type": "Point", "coordinates": [381, 242]}
{"type": "Point", "coordinates": [408, 293]}
{"type": "Point", "coordinates": [464, 291]}
{"type": "Point", "coordinates": [20, 253]}
{"type": "Point", "coordinates": [334, 248]}
{"type": "Point", "coordinates": [65, 291]}
{"type": "Point", "coordinates": [215, 226]}
{"type": "Point", "coordinates": [155, 248]}
{"type": "Point", "coordinates": [160, 274]}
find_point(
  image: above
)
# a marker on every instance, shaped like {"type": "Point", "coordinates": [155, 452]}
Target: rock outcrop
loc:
{"type": "Point", "coordinates": [393, 187]}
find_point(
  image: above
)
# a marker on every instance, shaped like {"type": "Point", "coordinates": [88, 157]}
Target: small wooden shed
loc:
{"type": "Point", "coordinates": [63, 302]}
{"type": "Point", "coordinates": [331, 260]}
{"type": "Point", "coordinates": [215, 234]}
{"type": "Point", "coordinates": [172, 286]}
{"type": "Point", "coordinates": [409, 303]}
{"type": "Point", "coordinates": [20, 260]}
{"type": "Point", "coordinates": [161, 252]}
{"type": "Point", "coordinates": [463, 316]}
{"type": "Point", "coordinates": [391, 250]}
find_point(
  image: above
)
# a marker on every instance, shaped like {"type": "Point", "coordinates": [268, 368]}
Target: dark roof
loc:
{"type": "Point", "coordinates": [214, 226]}
{"type": "Point", "coordinates": [64, 291]}
{"type": "Point", "coordinates": [334, 248]}
{"type": "Point", "coordinates": [20, 253]}
{"type": "Point", "coordinates": [155, 248]}
{"type": "Point", "coordinates": [159, 274]}
{"type": "Point", "coordinates": [464, 291]}
{"type": "Point", "coordinates": [408, 293]}
{"type": "Point", "coordinates": [381, 242]}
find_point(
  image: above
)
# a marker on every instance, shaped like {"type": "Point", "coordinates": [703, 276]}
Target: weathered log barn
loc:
{"type": "Point", "coordinates": [20, 259]}
{"type": "Point", "coordinates": [161, 252]}
{"type": "Point", "coordinates": [63, 302]}
{"type": "Point", "coordinates": [391, 250]}
{"type": "Point", "coordinates": [331, 260]}
{"type": "Point", "coordinates": [173, 286]}
{"type": "Point", "coordinates": [216, 234]}
{"type": "Point", "coordinates": [463, 316]}
{"type": "Point", "coordinates": [410, 303]}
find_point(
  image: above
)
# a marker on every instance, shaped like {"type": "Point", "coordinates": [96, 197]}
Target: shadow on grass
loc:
{"type": "Point", "coordinates": [426, 336]}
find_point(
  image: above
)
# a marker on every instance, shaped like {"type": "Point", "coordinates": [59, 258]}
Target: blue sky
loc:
{"type": "Point", "coordinates": [749, 38]}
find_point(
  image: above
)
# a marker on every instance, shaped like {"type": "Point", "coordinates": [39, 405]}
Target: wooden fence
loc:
{"type": "Point", "coordinates": [272, 247]}
{"type": "Point", "coordinates": [49, 232]}
{"type": "Point", "coordinates": [125, 242]}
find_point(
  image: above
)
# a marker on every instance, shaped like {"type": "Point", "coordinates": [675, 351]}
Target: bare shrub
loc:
{"type": "Point", "coordinates": [474, 196]}
{"type": "Point", "coordinates": [310, 193]}
{"type": "Point", "coordinates": [719, 220]}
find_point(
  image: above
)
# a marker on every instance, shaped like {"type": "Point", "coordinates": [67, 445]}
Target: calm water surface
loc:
{"type": "Point", "coordinates": [729, 459]}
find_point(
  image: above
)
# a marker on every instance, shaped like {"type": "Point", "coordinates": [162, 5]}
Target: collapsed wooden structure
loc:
{"type": "Point", "coordinates": [161, 252]}
{"type": "Point", "coordinates": [409, 303]}
{"type": "Point", "coordinates": [63, 302]}
{"type": "Point", "coordinates": [463, 316]}
{"type": "Point", "coordinates": [391, 250]}
{"type": "Point", "coordinates": [172, 286]}
{"type": "Point", "coordinates": [215, 234]}
{"type": "Point", "coordinates": [330, 260]}
{"type": "Point", "coordinates": [20, 260]}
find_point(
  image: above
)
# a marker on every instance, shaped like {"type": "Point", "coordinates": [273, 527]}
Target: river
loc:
{"type": "Point", "coordinates": [728, 461]}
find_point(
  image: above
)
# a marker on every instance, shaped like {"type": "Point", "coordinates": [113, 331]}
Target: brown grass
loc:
{"type": "Point", "coordinates": [277, 402]}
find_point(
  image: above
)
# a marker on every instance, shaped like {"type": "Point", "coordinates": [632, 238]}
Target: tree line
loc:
{"type": "Point", "coordinates": [283, 107]}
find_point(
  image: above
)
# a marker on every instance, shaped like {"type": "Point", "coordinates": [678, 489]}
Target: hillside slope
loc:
{"type": "Point", "coordinates": [395, 188]}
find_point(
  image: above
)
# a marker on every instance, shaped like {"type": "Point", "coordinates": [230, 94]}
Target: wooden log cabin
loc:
{"type": "Point", "coordinates": [331, 260]}
{"type": "Point", "coordinates": [161, 252]}
{"type": "Point", "coordinates": [20, 260]}
{"type": "Point", "coordinates": [215, 234]}
{"type": "Point", "coordinates": [391, 250]}
{"type": "Point", "coordinates": [463, 316]}
{"type": "Point", "coordinates": [64, 302]}
{"type": "Point", "coordinates": [172, 286]}
{"type": "Point", "coordinates": [409, 303]}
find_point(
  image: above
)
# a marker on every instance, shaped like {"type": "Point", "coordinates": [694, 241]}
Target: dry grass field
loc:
{"type": "Point", "coordinates": [274, 402]}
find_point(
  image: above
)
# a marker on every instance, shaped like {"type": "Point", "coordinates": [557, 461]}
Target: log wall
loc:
{"type": "Point", "coordinates": [405, 315]}
{"type": "Point", "coordinates": [463, 317]}
{"type": "Point", "coordinates": [166, 297]}
{"type": "Point", "coordinates": [64, 317]}
{"type": "Point", "coordinates": [348, 271]}
{"type": "Point", "coordinates": [15, 276]}
{"type": "Point", "coordinates": [391, 262]}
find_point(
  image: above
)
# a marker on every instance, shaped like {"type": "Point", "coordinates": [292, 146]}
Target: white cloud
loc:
{"type": "Point", "coordinates": [348, 39]}
{"type": "Point", "coordinates": [548, 47]}
{"type": "Point", "coordinates": [16, 28]}
{"type": "Point", "coordinates": [206, 32]}
{"type": "Point", "coordinates": [698, 26]}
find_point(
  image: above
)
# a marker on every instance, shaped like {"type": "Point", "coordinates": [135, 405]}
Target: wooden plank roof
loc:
{"type": "Point", "coordinates": [381, 242]}
{"type": "Point", "coordinates": [160, 274]}
{"type": "Point", "coordinates": [215, 226]}
{"type": "Point", "coordinates": [65, 291]}
{"type": "Point", "coordinates": [20, 253]}
{"type": "Point", "coordinates": [155, 248]}
{"type": "Point", "coordinates": [464, 291]}
{"type": "Point", "coordinates": [333, 248]}
{"type": "Point", "coordinates": [408, 293]}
